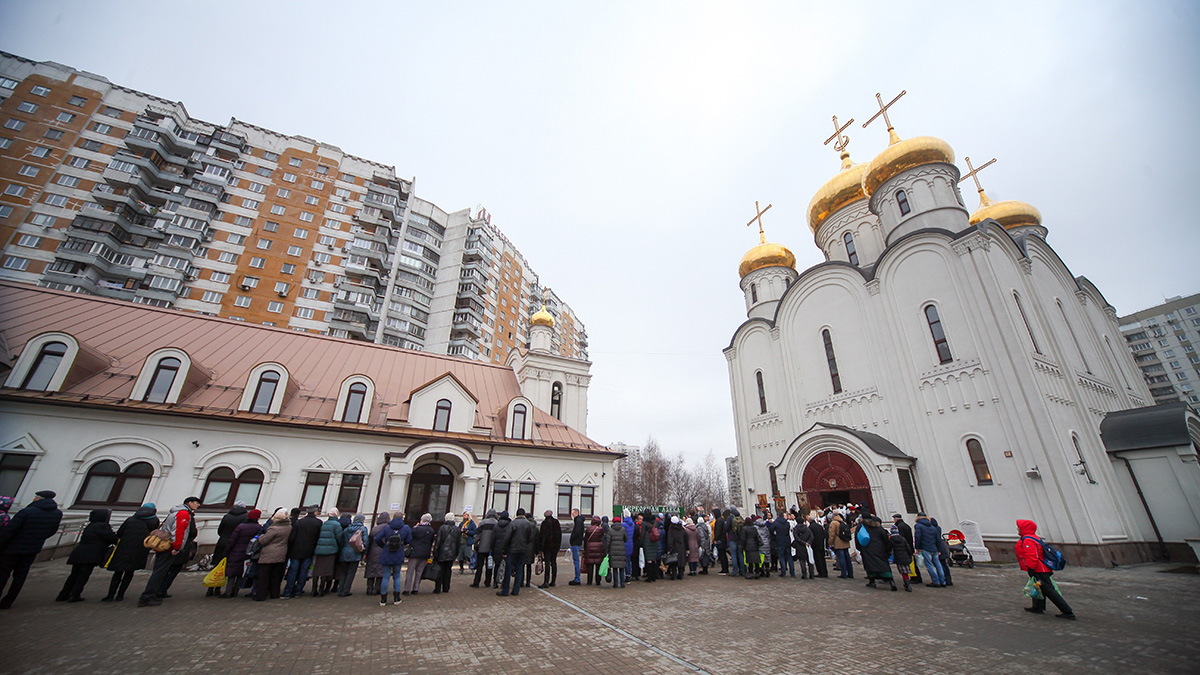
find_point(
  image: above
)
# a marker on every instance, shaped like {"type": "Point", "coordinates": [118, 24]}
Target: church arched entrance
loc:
{"type": "Point", "coordinates": [833, 477]}
{"type": "Point", "coordinates": [429, 491]}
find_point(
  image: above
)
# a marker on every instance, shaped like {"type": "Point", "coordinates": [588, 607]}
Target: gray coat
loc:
{"type": "Point", "coordinates": [614, 544]}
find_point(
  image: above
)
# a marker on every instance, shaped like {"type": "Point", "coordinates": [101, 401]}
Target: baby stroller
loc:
{"type": "Point", "coordinates": [957, 546]}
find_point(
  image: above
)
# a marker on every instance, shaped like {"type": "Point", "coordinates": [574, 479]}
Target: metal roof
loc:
{"type": "Point", "coordinates": [1155, 426]}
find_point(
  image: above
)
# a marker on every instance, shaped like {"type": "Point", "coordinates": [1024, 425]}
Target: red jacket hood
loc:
{"type": "Point", "coordinates": [1027, 528]}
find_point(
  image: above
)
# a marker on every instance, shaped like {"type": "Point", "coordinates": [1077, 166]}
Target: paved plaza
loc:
{"type": "Point", "coordinates": [1135, 619]}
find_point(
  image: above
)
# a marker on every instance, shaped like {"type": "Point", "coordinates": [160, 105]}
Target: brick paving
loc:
{"type": "Point", "coordinates": [1135, 618]}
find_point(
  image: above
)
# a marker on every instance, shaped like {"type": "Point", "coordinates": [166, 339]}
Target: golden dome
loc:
{"type": "Point", "coordinates": [766, 255]}
{"type": "Point", "coordinates": [1009, 213]}
{"type": "Point", "coordinates": [542, 318]}
{"type": "Point", "coordinates": [843, 189]}
{"type": "Point", "coordinates": [903, 155]}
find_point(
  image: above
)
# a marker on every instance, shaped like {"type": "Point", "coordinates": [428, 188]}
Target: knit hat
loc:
{"type": "Point", "coordinates": [253, 514]}
{"type": "Point", "coordinates": [280, 516]}
{"type": "Point", "coordinates": [47, 494]}
{"type": "Point", "coordinates": [359, 518]}
{"type": "Point", "coordinates": [616, 519]}
{"type": "Point", "coordinates": [675, 520]}
{"type": "Point", "coordinates": [240, 503]}
{"type": "Point", "coordinates": [149, 505]}
{"type": "Point", "coordinates": [548, 513]}
{"type": "Point", "coordinates": [690, 521]}
{"type": "Point", "coordinates": [504, 514]}
{"type": "Point", "coordinates": [520, 512]}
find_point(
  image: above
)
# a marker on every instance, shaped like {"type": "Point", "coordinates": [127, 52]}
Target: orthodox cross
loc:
{"type": "Point", "coordinates": [842, 140]}
{"type": "Point", "coordinates": [883, 110]}
{"type": "Point", "coordinates": [974, 174]}
{"type": "Point", "coordinates": [758, 216]}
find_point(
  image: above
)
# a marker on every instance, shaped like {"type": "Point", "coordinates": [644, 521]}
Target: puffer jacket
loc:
{"type": "Point", "coordinates": [131, 554]}
{"type": "Point", "coordinates": [235, 549]}
{"type": "Point", "coordinates": [348, 554]}
{"type": "Point", "coordinates": [95, 540]}
{"type": "Point", "coordinates": [613, 543]}
{"type": "Point", "coordinates": [749, 539]}
{"type": "Point", "coordinates": [593, 543]}
{"type": "Point", "coordinates": [503, 536]}
{"type": "Point", "coordinates": [330, 540]}
{"type": "Point", "coordinates": [485, 534]}
{"type": "Point", "coordinates": [398, 528]}
{"type": "Point", "coordinates": [836, 542]}
{"type": "Point", "coordinates": [876, 551]}
{"type": "Point", "coordinates": [693, 542]}
{"type": "Point", "coordinates": [274, 543]}
{"type": "Point", "coordinates": [628, 524]}
{"type": "Point", "coordinates": [1028, 549]}
{"type": "Point", "coordinates": [902, 550]}
{"type": "Point", "coordinates": [781, 532]}
{"type": "Point", "coordinates": [649, 548]}
{"type": "Point", "coordinates": [705, 535]}
{"type": "Point", "coordinates": [925, 536]}
{"type": "Point", "coordinates": [422, 541]}
{"type": "Point", "coordinates": [764, 536]}
{"type": "Point", "coordinates": [445, 546]}
{"type": "Point", "coordinates": [523, 537]}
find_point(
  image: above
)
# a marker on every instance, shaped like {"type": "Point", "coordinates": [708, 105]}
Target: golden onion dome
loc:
{"type": "Point", "coordinates": [843, 189]}
{"type": "Point", "coordinates": [1009, 213]}
{"type": "Point", "coordinates": [903, 155]}
{"type": "Point", "coordinates": [766, 255]}
{"type": "Point", "coordinates": [542, 318]}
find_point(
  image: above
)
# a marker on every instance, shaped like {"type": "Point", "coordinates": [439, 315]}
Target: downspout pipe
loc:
{"type": "Point", "coordinates": [387, 459]}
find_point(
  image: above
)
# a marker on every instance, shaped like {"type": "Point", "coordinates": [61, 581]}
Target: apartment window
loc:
{"type": "Point", "coordinates": [270, 156]}
{"type": "Point", "coordinates": [241, 221]}
{"type": "Point", "coordinates": [27, 107]}
{"type": "Point", "coordinates": [295, 161]}
{"type": "Point", "coordinates": [311, 200]}
{"type": "Point", "coordinates": [57, 134]}
{"type": "Point", "coordinates": [17, 125]}
{"type": "Point", "coordinates": [101, 128]}
{"type": "Point", "coordinates": [317, 185]}
{"type": "Point", "coordinates": [500, 496]}
{"type": "Point", "coordinates": [160, 383]}
{"type": "Point", "coordinates": [441, 416]}
{"type": "Point", "coordinates": [6, 83]}
{"type": "Point", "coordinates": [762, 392]}
{"type": "Point", "coordinates": [342, 192]}
{"type": "Point", "coordinates": [248, 203]}
{"type": "Point", "coordinates": [219, 277]}
{"type": "Point", "coordinates": [112, 112]}
{"type": "Point", "coordinates": [306, 216]}
{"type": "Point", "coordinates": [275, 307]}
{"type": "Point", "coordinates": [65, 117]}
{"type": "Point", "coordinates": [227, 257]}
{"type": "Point", "coordinates": [28, 170]}
{"type": "Point", "coordinates": [257, 187]}
{"type": "Point", "coordinates": [295, 250]}
{"type": "Point", "coordinates": [902, 202]}
{"type": "Point", "coordinates": [310, 293]}
{"type": "Point", "coordinates": [13, 469]}
{"type": "Point", "coordinates": [518, 421]}
{"type": "Point", "coordinates": [29, 241]}
{"type": "Point", "coordinates": [77, 101]}
{"type": "Point", "coordinates": [271, 226]}
{"type": "Point", "coordinates": [321, 257]}
{"type": "Point", "coordinates": [68, 181]}
{"type": "Point", "coordinates": [300, 233]}
{"type": "Point", "coordinates": [983, 476]}
{"type": "Point", "coordinates": [211, 296]}
{"type": "Point", "coordinates": [940, 343]}
{"type": "Point", "coordinates": [346, 178]}
{"type": "Point", "coordinates": [241, 301]}
{"type": "Point", "coordinates": [258, 263]}
{"type": "Point", "coordinates": [94, 146]}
{"type": "Point", "coordinates": [263, 244]}
{"type": "Point", "coordinates": [322, 169]}
{"type": "Point", "coordinates": [831, 360]}
{"type": "Point", "coordinates": [283, 193]}
{"type": "Point", "coordinates": [282, 287]}
{"type": "Point", "coordinates": [236, 239]}
{"type": "Point", "coordinates": [78, 162]}
{"type": "Point", "coordinates": [14, 190]}
{"type": "Point", "coordinates": [289, 177]}
{"type": "Point", "coordinates": [56, 200]}
{"type": "Point", "coordinates": [316, 276]}
{"type": "Point", "coordinates": [105, 484]}
{"type": "Point", "coordinates": [850, 250]}
{"type": "Point", "coordinates": [525, 497]}
{"type": "Point", "coordinates": [350, 493]}
{"type": "Point", "coordinates": [305, 312]}
{"type": "Point", "coordinates": [40, 151]}
{"type": "Point", "coordinates": [287, 268]}
{"type": "Point", "coordinates": [5, 143]}
{"type": "Point", "coordinates": [565, 492]}
{"type": "Point", "coordinates": [278, 210]}
{"type": "Point", "coordinates": [5, 211]}
{"type": "Point", "coordinates": [44, 366]}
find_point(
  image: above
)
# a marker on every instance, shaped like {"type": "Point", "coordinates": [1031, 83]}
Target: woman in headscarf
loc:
{"type": "Point", "coordinates": [130, 554]}
{"type": "Point", "coordinates": [374, 573]}
{"type": "Point", "coordinates": [236, 553]}
{"type": "Point", "coordinates": [876, 551]}
{"type": "Point", "coordinates": [692, 533]}
{"type": "Point", "coordinates": [272, 561]}
{"type": "Point", "coordinates": [350, 555]}
{"type": "Point", "coordinates": [422, 550]}
{"type": "Point", "coordinates": [89, 552]}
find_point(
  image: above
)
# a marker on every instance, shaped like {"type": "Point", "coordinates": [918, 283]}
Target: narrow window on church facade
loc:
{"type": "Point", "coordinates": [753, 292]}
{"type": "Point", "coordinates": [832, 361]}
{"type": "Point", "coordinates": [1025, 320]}
{"type": "Point", "coordinates": [556, 396]}
{"type": "Point", "coordinates": [161, 381]}
{"type": "Point", "coordinates": [902, 201]}
{"type": "Point", "coordinates": [1082, 462]}
{"type": "Point", "coordinates": [264, 394]}
{"type": "Point", "coordinates": [518, 422]}
{"type": "Point", "coordinates": [1074, 338]}
{"type": "Point", "coordinates": [762, 392]}
{"type": "Point", "coordinates": [850, 251]}
{"type": "Point", "coordinates": [441, 416]}
{"type": "Point", "coordinates": [983, 476]}
{"type": "Point", "coordinates": [44, 367]}
{"type": "Point", "coordinates": [939, 335]}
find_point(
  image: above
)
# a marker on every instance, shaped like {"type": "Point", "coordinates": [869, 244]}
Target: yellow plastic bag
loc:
{"type": "Point", "coordinates": [216, 578]}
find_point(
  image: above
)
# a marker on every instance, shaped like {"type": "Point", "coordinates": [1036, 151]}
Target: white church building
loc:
{"type": "Point", "coordinates": [946, 361]}
{"type": "Point", "coordinates": [112, 404]}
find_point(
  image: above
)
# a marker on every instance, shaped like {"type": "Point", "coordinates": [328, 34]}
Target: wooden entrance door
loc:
{"type": "Point", "coordinates": [834, 477]}
{"type": "Point", "coordinates": [429, 491]}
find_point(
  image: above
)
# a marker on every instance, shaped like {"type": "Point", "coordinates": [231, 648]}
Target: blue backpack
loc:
{"type": "Point", "coordinates": [864, 537]}
{"type": "Point", "coordinates": [1051, 557]}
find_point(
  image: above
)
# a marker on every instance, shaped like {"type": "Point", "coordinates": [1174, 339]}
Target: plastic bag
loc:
{"type": "Point", "coordinates": [604, 567]}
{"type": "Point", "coordinates": [216, 578]}
{"type": "Point", "coordinates": [1033, 589]}
{"type": "Point", "coordinates": [863, 536]}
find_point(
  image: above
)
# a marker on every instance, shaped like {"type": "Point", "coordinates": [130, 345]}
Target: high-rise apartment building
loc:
{"type": "Point", "coordinates": [113, 192]}
{"type": "Point", "coordinates": [1163, 340]}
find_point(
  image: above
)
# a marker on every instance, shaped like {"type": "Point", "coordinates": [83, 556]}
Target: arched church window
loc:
{"type": "Point", "coordinates": [902, 201]}
{"type": "Point", "coordinates": [264, 393]}
{"type": "Point", "coordinates": [850, 250]}
{"type": "Point", "coordinates": [355, 396]}
{"type": "Point", "coordinates": [161, 381]}
{"type": "Point", "coordinates": [556, 400]}
{"type": "Point", "coordinates": [44, 367]}
{"type": "Point", "coordinates": [518, 422]}
{"type": "Point", "coordinates": [223, 488]}
{"type": "Point", "coordinates": [1083, 466]}
{"type": "Point", "coordinates": [441, 416]}
{"type": "Point", "coordinates": [1025, 320]}
{"type": "Point", "coordinates": [832, 361]}
{"type": "Point", "coordinates": [1074, 338]}
{"type": "Point", "coordinates": [940, 343]}
{"type": "Point", "coordinates": [105, 484]}
{"type": "Point", "coordinates": [983, 475]}
{"type": "Point", "coordinates": [753, 292]}
{"type": "Point", "coordinates": [762, 392]}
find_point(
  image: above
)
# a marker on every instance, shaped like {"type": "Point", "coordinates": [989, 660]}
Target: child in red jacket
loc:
{"type": "Point", "coordinates": [1030, 556]}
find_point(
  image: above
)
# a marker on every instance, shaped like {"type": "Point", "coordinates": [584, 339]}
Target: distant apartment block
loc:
{"type": "Point", "coordinates": [1163, 340]}
{"type": "Point", "coordinates": [109, 191]}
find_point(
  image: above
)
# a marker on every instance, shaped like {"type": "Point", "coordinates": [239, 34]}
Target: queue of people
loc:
{"type": "Point", "coordinates": [274, 557]}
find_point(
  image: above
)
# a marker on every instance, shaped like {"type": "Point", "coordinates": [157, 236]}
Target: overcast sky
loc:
{"type": "Point", "coordinates": [621, 145]}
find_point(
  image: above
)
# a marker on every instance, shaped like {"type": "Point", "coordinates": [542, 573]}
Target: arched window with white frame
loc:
{"type": "Point", "coordinates": [441, 415]}
{"type": "Point", "coordinates": [940, 343]}
{"type": "Point", "coordinates": [44, 363]}
{"type": "Point", "coordinates": [162, 377]}
{"type": "Point", "coordinates": [518, 421]}
{"type": "Point", "coordinates": [106, 484]}
{"type": "Point", "coordinates": [355, 399]}
{"type": "Point", "coordinates": [265, 389]}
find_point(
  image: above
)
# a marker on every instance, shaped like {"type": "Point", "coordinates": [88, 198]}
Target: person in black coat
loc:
{"type": "Point", "coordinates": [876, 551]}
{"type": "Point", "coordinates": [677, 547]}
{"type": "Point", "coordinates": [302, 546]}
{"type": "Point", "coordinates": [802, 542]}
{"type": "Point", "coordinates": [550, 537]}
{"type": "Point", "coordinates": [750, 543]}
{"type": "Point", "coordinates": [229, 522]}
{"type": "Point", "coordinates": [902, 555]}
{"type": "Point", "coordinates": [820, 537]}
{"type": "Point", "coordinates": [719, 540]}
{"type": "Point", "coordinates": [130, 555]}
{"type": "Point", "coordinates": [236, 553]}
{"type": "Point", "coordinates": [906, 531]}
{"type": "Point", "coordinates": [91, 550]}
{"type": "Point", "coordinates": [22, 539]}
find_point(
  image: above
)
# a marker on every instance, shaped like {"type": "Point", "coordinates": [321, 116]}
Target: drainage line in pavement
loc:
{"type": "Point", "coordinates": [627, 634]}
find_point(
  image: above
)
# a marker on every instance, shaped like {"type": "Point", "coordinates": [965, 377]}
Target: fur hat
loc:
{"type": "Point", "coordinates": [253, 514]}
{"type": "Point", "coordinates": [548, 513]}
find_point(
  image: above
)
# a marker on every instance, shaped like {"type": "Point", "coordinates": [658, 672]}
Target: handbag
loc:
{"type": "Point", "coordinates": [671, 558]}
{"type": "Point", "coordinates": [540, 567]}
{"type": "Point", "coordinates": [159, 541]}
{"type": "Point", "coordinates": [431, 571]}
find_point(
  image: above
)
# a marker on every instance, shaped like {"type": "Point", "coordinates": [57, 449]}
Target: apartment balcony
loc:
{"type": "Point", "coordinates": [463, 323]}
{"type": "Point", "coordinates": [477, 252]}
{"type": "Point", "coordinates": [463, 347]}
{"type": "Point", "coordinates": [368, 218]}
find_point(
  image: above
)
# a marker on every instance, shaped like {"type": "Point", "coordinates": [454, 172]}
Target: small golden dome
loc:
{"type": "Point", "coordinates": [1009, 213]}
{"type": "Point", "coordinates": [843, 189]}
{"type": "Point", "coordinates": [903, 155]}
{"type": "Point", "coordinates": [542, 318]}
{"type": "Point", "coordinates": [766, 255]}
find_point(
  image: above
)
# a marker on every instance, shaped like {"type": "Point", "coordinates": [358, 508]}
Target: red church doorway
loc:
{"type": "Point", "coordinates": [833, 478]}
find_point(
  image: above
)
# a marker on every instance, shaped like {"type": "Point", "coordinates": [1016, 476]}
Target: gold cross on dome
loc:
{"type": "Point", "coordinates": [883, 110]}
{"type": "Point", "coordinates": [974, 173]}
{"type": "Point", "coordinates": [842, 139]}
{"type": "Point", "coordinates": [762, 237]}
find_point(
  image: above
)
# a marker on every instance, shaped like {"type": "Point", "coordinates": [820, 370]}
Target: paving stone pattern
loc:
{"type": "Point", "coordinates": [1130, 619]}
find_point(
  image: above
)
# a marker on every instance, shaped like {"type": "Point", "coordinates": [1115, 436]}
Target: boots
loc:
{"type": "Point", "coordinates": [383, 599]}
{"type": "Point", "coordinates": [395, 597]}
{"type": "Point", "coordinates": [893, 585]}
{"type": "Point", "coordinates": [871, 584]}
{"type": "Point", "coordinates": [907, 586]}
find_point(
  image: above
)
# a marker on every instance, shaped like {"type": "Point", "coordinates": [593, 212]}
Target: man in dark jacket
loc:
{"type": "Point", "coordinates": [550, 537]}
{"type": "Point", "coordinates": [781, 534]}
{"type": "Point", "coordinates": [500, 547]}
{"type": "Point", "coordinates": [22, 539]}
{"type": "Point", "coordinates": [802, 538]}
{"type": "Point", "coordinates": [749, 543]}
{"type": "Point", "coordinates": [820, 538]}
{"type": "Point", "coordinates": [720, 542]}
{"type": "Point", "coordinates": [485, 539]}
{"type": "Point", "coordinates": [445, 550]}
{"type": "Point", "coordinates": [302, 546]}
{"type": "Point", "coordinates": [575, 542]}
{"type": "Point", "coordinates": [905, 531]}
{"type": "Point", "coordinates": [180, 524]}
{"type": "Point", "coordinates": [523, 534]}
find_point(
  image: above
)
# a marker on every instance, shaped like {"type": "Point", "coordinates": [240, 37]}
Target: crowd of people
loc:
{"type": "Point", "coordinates": [274, 557]}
